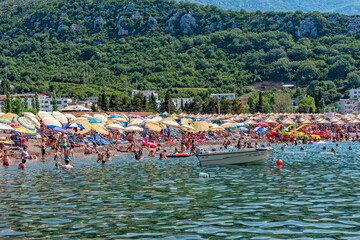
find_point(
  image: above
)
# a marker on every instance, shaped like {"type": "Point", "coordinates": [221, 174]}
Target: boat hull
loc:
{"type": "Point", "coordinates": [245, 156]}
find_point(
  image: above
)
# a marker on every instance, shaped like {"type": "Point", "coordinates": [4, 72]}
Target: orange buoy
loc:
{"type": "Point", "coordinates": [279, 162]}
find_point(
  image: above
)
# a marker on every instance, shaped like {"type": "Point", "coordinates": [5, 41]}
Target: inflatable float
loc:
{"type": "Point", "coordinates": [177, 155]}
{"type": "Point", "coordinates": [147, 144]}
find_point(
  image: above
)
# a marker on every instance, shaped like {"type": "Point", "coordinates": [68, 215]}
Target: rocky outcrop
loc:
{"type": "Point", "coordinates": [354, 25]}
{"type": "Point", "coordinates": [307, 27]}
{"type": "Point", "coordinates": [187, 24]}
{"type": "Point", "coordinates": [99, 23]}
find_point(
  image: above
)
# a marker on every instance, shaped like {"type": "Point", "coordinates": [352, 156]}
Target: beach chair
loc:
{"type": "Point", "coordinates": [100, 141]}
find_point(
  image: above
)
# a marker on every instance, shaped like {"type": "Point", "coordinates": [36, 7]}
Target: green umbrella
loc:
{"type": "Point", "coordinates": [4, 120]}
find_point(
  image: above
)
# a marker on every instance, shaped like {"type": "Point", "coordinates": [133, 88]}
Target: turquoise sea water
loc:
{"type": "Point", "coordinates": [312, 196]}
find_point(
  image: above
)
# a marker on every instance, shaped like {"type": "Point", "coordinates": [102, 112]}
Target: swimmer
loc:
{"type": "Point", "coordinates": [22, 165]}
{"type": "Point", "coordinates": [324, 148]}
{"type": "Point", "coordinates": [282, 148]}
{"type": "Point", "coordinates": [151, 153]}
{"type": "Point", "coordinates": [301, 149]}
{"type": "Point", "coordinates": [350, 148]}
{"type": "Point", "coordinates": [162, 156]}
{"type": "Point", "coordinates": [333, 151]}
{"type": "Point", "coordinates": [67, 165]}
{"type": "Point", "coordinates": [57, 155]}
{"type": "Point", "coordinates": [139, 155]}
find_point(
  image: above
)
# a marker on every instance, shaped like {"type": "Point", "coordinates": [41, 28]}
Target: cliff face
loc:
{"type": "Point", "coordinates": [124, 18]}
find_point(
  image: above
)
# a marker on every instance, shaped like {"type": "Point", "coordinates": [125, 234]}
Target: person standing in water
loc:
{"type": "Point", "coordinates": [67, 165]}
{"type": "Point", "coordinates": [22, 165]}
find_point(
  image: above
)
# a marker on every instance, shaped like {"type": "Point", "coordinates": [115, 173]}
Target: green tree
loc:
{"type": "Point", "coordinates": [168, 105]}
{"type": "Point", "coordinates": [17, 106]}
{"type": "Point", "coordinates": [54, 102]}
{"type": "Point", "coordinates": [94, 107]}
{"type": "Point", "coordinates": [37, 103]}
{"type": "Point", "coordinates": [152, 103]}
{"type": "Point", "coordinates": [260, 104]}
{"type": "Point", "coordinates": [353, 80]}
{"type": "Point", "coordinates": [26, 103]}
{"type": "Point", "coordinates": [307, 105]}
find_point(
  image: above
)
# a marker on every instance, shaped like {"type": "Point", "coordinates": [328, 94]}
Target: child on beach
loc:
{"type": "Point", "coordinates": [26, 155]}
{"type": "Point", "coordinates": [6, 159]}
{"type": "Point", "coordinates": [43, 145]}
{"type": "Point", "coordinates": [57, 155]}
{"type": "Point", "coordinates": [22, 165]}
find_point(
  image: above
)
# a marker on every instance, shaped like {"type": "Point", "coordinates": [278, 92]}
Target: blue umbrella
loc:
{"type": "Point", "coordinates": [93, 120]}
{"type": "Point", "coordinates": [243, 129]}
{"type": "Point", "coordinates": [57, 128]}
{"type": "Point", "coordinates": [164, 115]}
{"type": "Point", "coordinates": [74, 125]}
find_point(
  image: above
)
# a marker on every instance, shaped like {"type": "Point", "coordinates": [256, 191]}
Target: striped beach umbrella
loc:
{"type": "Point", "coordinates": [4, 120]}
{"type": "Point", "coordinates": [25, 123]}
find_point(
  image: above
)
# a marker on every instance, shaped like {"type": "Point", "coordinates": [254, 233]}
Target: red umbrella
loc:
{"type": "Point", "coordinates": [261, 124]}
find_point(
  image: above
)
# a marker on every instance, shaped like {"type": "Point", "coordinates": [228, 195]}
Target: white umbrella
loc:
{"type": "Point", "coordinates": [29, 114]}
{"type": "Point", "coordinates": [115, 126]}
{"type": "Point", "coordinates": [119, 119]}
{"type": "Point", "coordinates": [42, 114]}
{"type": "Point", "coordinates": [101, 118]}
{"type": "Point", "coordinates": [187, 127]}
{"type": "Point", "coordinates": [51, 121]}
{"type": "Point", "coordinates": [133, 129]}
{"type": "Point", "coordinates": [4, 127]}
{"type": "Point", "coordinates": [70, 116]}
{"type": "Point", "coordinates": [135, 122]}
{"type": "Point", "coordinates": [171, 124]}
{"type": "Point", "coordinates": [86, 116]}
{"type": "Point", "coordinates": [60, 117]}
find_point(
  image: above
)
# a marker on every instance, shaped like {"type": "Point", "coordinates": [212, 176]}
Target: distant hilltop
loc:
{"type": "Point", "coordinates": [349, 7]}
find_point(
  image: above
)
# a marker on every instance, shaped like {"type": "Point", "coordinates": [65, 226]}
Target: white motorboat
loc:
{"type": "Point", "coordinates": [243, 156]}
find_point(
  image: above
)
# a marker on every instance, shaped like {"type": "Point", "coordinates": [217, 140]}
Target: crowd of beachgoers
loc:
{"type": "Point", "coordinates": [62, 138]}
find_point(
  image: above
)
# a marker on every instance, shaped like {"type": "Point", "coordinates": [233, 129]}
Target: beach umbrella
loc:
{"type": "Point", "coordinates": [48, 121]}
{"type": "Point", "coordinates": [119, 119]}
{"type": "Point", "coordinates": [101, 118]}
{"type": "Point", "coordinates": [86, 116]}
{"type": "Point", "coordinates": [133, 129]}
{"type": "Point", "coordinates": [165, 114]}
{"type": "Point", "coordinates": [57, 128]}
{"type": "Point", "coordinates": [202, 126]}
{"type": "Point", "coordinates": [33, 120]}
{"type": "Point", "coordinates": [93, 120]}
{"type": "Point", "coordinates": [60, 117]}
{"type": "Point", "coordinates": [153, 126]}
{"type": "Point", "coordinates": [124, 116]}
{"type": "Point", "coordinates": [115, 126]}
{"type": "Point", "coordinates": [135, 122]}
{"type": "Point", "coordinates": [288, 121]}
{"type": "Point", "coordinates": [216, 128]}
{"type": "Point", "coordinates": [114, 116]}
{"type": "Point", "coordinates": [185, 121]}
{"type": "Point", "coordinates": [261, 124]}
{"type": "Point", "coordinates": [243, 129]}
{"type": "Point", "coordinates": [171, 124]}
{"type": "Point", "coordinates": [25, 114]}
{"type": "Point", "coordinates": [187, 128]}
{"type": "Point", "coordinates": [4, 120]}
{"type": "Point", "coordinates": [83, 122]}
{"type": "Point", "coordinates": [69, 116]}
{"type": "Point", "coordinates": [250, 122]}
{"type": "Point", "coordinates": [42, 114]}
{"type": "Point", "coordinates": [99, 128]}
{"type": "Point", "coordinates": [24, 122]}
{"type": "Point", "coordinates": [242, 124]}
{"type": "Point", "coordinates": [10, 116]}
{"type": "Point", "coordinates": [24, 131]}
{"type": "Point", "coordinates": [227, 125]}
{"type": "Point", "coordinates": [74, 125]}
{"type": "Point", "coordinates": [4, 127]}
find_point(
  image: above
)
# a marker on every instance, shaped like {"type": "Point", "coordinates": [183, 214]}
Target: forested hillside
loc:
{"type": "Point", "coordinates": [338, 6]}
{"type": "Point", "coordinates": [83, 47]}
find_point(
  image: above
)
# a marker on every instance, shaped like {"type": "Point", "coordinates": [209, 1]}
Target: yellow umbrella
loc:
{"type": "Point", "coordinates": [188, 128]}
{"type": "Point", "coordinates": [202, 126]}
{"type": "Point", "coordinates": [24, 130]}
{"type": "Point", "coordinates": [153, 126]}
{"type": "Point", "coordinates": [168, 119]}
{"type": "Point", "coordinates": [99, 128]}
{"type": "Point", "coordinates": [51, 121]}
{"type": "Point", "coordinates": [216, 128]}
{"type": "Point", "coordinates": [227, 125]}
{"type": "Point", "coordinates": [185, 121]}
{"type": "Point", "coordinates": [10, 116]}
{"type": "Point", "coordinates": [33, 120]}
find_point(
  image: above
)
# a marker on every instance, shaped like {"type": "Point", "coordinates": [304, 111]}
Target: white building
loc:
{"type": "Point", "coordinates": [177, 101]}
{"type": "Point", "coordinates": [288, 87]}
{"type": "Point", "coordinates": [349, 106]}
{"type": "Point", "coordinates": [147, 94]}
{"type": "Point", "coordinates": [221, 95]}
{"type": "Point", "coordinates": [354, 93]}
{"type": "Point", "coordinates": [93, 99]}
